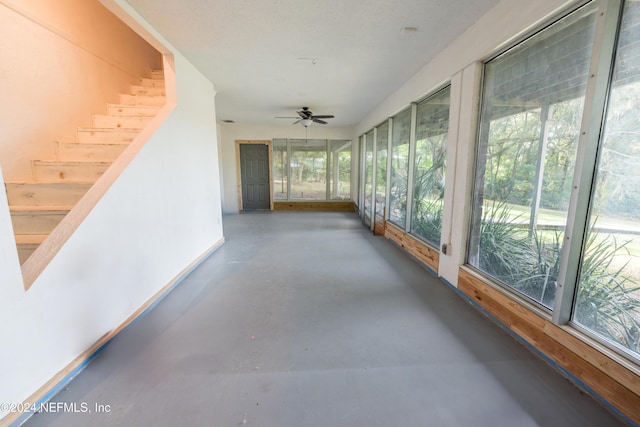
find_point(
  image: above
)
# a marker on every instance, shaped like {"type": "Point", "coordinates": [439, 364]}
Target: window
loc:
{"type": "Point", "coordinates": [608, 295]}
{"type": "Point", "coordinates": [432, 127]}
{"type": "Point", "coordinates": [368, 175]}
{"type": "Point", "coordinates": [557, 185]}
{"type": "Point", "coordinates": [308, 169]}
{"type": "Point", "coordinates": [361, 180]}
{"type": "Point", "coordinates": [382, 145]}
{"type": "Point", "coordinates": [399, 168]}
{"type": "Point", "coordinates": [532, 105]}
{"type": "Point", "coordinates": [340, 164]}
{"type": "Point", "coordinates": [314, 169]}
{"type": "Point", "coordinates": [280, 173]}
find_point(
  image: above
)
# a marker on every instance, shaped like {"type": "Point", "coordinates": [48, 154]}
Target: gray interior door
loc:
{"type": "Point", "coordinates": [254, 173]}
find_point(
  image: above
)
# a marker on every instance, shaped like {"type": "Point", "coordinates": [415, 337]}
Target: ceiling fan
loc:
{"type": "Point", "coordinates": [306, 117]}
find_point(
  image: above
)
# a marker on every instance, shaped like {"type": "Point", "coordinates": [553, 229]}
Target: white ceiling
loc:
{"type": "Point", "coordinates": [269, 58]}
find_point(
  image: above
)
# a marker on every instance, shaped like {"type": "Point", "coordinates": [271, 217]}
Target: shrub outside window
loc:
{"type": "Point", "coordinates": [432, 127]}
{"type": "Point", "coordinates": [399, 168]}
{"type": "Point", "coordinates": [382, 146]}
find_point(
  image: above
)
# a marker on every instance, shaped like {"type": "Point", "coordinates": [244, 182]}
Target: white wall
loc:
{"type": "Point", "coordinates": [62, 61]}
{"type": "Point", "coordinates": [458, 64]}
{"type": "Point", "coordinates": [229, 133]}
{"type": "Point", "coordinates": [158, 217]}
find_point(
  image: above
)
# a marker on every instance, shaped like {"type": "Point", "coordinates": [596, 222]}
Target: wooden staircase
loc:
{"type": "Point", "coordinates": [38, 206]}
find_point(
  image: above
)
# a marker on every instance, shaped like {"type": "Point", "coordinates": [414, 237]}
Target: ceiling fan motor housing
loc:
{"type": "Point", "coordinates": [307, 117]}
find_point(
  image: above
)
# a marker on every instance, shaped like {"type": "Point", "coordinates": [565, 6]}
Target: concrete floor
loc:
{"type": "Point", "coordinates": [306, 319]}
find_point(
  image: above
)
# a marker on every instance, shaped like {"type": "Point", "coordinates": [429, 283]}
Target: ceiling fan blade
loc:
{"type": "Point", "coordinates": [282, 117]}
{"type": "Point", "coordinates": [326, 116]}
{"type": "Point", "coordinates": [316, 120]}
{"type": "Point", "coordinates": [296, 122]}
{"type": "Point", "coordinates": [305, 114]}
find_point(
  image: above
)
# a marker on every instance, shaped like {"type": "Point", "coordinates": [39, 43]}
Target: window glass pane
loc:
{"type": "Point", "coordinates": [399, 168]}
{"type": "Point", "coordinates": [608, 298]}
{"type": "Point", "coordinates": [368, 174]}
{"type": "Point", "coordinates": [382, 145]}
{"type": "Point", "coordinates": [280, 169]}
{"type": "Point", "coordinates": [340, 169]}
{"type": "Point", "coordinates": [361, 171]}
{"type": "Point", "coordinates": [531, 113]}
{"type": "Point", "coordinates": [432, 127]}
{"type": "Point", "coordinates": [308, 169]}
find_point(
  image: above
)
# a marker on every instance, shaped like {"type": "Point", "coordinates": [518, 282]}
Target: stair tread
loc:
{"type": "Point", "coordinates": [27, 208]}
{"type": "Point", "coordinates": [117, 105]}
{"type": "Point", "coordinates": [72, 162]}
{"type": "Point", "coordinates": [109, 130]}
{"type": "Point", "coordinates": [49, 182]}
{"type": "Point", "coordinates": [30, 239]}
{"type": "Point", "coordinates": [89, 144]}
{"type": "Point", "coordinates": [129, 96]}
{"type": "Point", "coordinates": [48, 192]}
{"type": "Point", "coordinates": [152, 82]}
{"type": "Point", "coordinates": [147, 91]}
{"type": "Point", "coordinates": [121, 118]}
{"type": "Point", "coordinates": [131, 110]}
{"type": "Point", "coordinates": [147, 96]}
{"type": "Point", "coordinates": [140, 87]}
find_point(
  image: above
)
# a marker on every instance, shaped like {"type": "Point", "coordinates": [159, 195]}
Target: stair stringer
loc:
{"type": "Point", "coordinates": [48, 249]}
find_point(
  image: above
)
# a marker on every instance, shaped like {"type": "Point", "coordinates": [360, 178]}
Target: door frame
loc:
{"type": "Point", "coordinates": [266, 142]}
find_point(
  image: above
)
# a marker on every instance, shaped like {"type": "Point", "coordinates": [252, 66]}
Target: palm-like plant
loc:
{"type": "Point", "coordinates": [427, 222]}
{"type": "Point", "coordinates": [505, 251]}
{"type": "Point", "coordinates": [540, 283]}
{"type": "Point", "coordinates": [608, 301]}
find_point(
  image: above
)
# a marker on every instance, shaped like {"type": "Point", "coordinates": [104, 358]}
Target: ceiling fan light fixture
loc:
{"type": "Point", "coordinates": [306, 122]}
